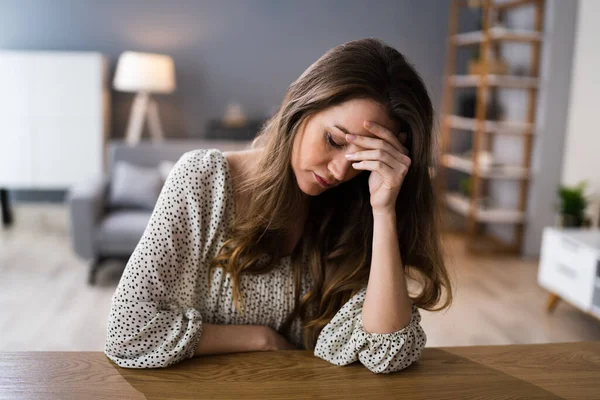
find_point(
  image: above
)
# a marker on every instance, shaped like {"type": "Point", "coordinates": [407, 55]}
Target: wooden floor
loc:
{"type": "Point", "coordinates": [45, 303]}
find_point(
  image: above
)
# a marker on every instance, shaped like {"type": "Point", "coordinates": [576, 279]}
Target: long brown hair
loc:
{"type": "Point", "coordinates": [338, 233]}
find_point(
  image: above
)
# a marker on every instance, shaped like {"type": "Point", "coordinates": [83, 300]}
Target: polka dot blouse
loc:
{"type": "Point", "coordinates": [163, 297]}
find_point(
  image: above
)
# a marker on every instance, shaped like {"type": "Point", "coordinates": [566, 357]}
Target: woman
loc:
{"type": "Point", "coordinates": [306, 240]}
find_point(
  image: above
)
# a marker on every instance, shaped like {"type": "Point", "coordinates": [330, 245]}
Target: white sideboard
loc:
{"type": "Point", "coordinates": [54, 118]}
{"type": "Point", "coordinates": [570, 267]}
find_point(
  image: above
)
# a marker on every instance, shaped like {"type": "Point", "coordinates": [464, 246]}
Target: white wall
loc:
{"type": "Point", "coordinates": [581, 160]}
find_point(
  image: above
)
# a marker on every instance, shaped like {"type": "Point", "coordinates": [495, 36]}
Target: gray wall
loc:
{"type": "Point", "coordinates": [249, 51]}
{"type": "Point", "coordinates": [246, 51]}
{"type": "Point", "coordinates": [553, 107]}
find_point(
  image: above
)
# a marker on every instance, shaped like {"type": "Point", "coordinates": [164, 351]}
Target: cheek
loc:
{"type": "Point", "coordinates": [296, 151]}
{"type": "Point", "coordinates": [312, 151]}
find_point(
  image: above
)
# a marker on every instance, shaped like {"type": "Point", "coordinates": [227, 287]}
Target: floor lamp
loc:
{"type": "Point", "coordinates": [144, 74]}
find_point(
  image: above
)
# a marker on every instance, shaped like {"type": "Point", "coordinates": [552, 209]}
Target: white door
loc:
{"type": "Point", "coordinates": [15, 152]}
{"type": "Point", "coordinates": [15, 120]}
{"type": "Point", "coordinates": [68, 85]}
{"type": "Point", "coordinates": [66, 151]}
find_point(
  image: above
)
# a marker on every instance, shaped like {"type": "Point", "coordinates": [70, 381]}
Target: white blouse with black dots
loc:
{"type": "Point", "coordinates": [163, 298]}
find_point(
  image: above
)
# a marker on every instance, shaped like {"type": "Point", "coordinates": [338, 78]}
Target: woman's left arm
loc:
{"type": "Point", "coordinates": [379, 326]}
{"type": "Point", "coordinates": [344, 340]}
{"type": "Point", "coordinates": [387, 306]}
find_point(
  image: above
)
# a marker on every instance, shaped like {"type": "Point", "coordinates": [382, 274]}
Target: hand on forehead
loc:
{"type": "Point", "coordinates": [350, 118]}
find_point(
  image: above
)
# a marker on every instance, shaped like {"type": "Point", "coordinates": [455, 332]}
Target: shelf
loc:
{"type": "Point", "coordinates": [497, 127]}
{"type": "Point", "coordinates": [497, 34]}
{"type": "Point", "coordinates": [462, 205]}
{"type": "Point", "coordinates": [507, 5]}
{"type": "Point", "coordinates": [505, 171]}
{"type": "Point", "coordinates": [482, 79]}
{"type": "Point", "coordinates": [507, 81]}
{"type": "Point", "coordinates": [503, 5]}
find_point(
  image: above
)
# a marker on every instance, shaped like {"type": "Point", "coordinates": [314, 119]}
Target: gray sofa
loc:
{"type": "Point", "coordinates": [99, 231]}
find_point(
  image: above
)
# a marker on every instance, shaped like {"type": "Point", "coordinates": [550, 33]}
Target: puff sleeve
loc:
{"type": "Point", "coordinates": [344, 340]}
{"type": "Point", "coordinates": [155, 318]}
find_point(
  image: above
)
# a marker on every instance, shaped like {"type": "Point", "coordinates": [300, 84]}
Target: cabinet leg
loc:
{"type": "Point", "coordinates": [5, 208]}
{"type": "Point", "coordinates": [552, 302]}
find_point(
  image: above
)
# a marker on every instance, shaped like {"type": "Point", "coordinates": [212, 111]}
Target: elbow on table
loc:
{"type": "Point", "coordinates": [391, 365]}
{"type": "Point", "coordinates": [395, 353]}
{"type": "Point", "coordinates": [133, 356]}
{"type": "Point", "coordinates": [126, 359]}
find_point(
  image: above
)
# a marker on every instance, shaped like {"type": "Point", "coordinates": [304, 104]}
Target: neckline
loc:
{"type": "Point", "coordinates": [229, 184]}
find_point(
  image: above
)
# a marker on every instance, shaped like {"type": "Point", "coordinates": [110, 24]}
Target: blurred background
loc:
{"type": "Point", "coordinates": [99, 99]}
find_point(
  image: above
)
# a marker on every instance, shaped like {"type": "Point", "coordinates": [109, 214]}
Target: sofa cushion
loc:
{"type": "Point", "coordinates": [164, 168]}
{"type": "Point", "coordinates": [120, 231]}
{"type": "Point", "coordinates": [134, 187]}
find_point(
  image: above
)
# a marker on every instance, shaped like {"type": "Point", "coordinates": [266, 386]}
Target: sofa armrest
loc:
{"type": "Point", "coordinates": [86, 204]}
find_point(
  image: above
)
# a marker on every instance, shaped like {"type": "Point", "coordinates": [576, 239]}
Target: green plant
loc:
{"type": "Point", "coordinates": [465, 186]}
{"type": "Point", "coordinates": [572, 200]}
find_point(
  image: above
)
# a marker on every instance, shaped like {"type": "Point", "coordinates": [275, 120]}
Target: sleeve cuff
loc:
{"type": "Point", "coordinates": [195, 319]}
{"type": "Point", "coordinates": [384, 336]}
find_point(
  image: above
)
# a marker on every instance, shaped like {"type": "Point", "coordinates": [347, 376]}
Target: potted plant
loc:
{"type": "Point", "coordinates": [465, 187]}
{"type": "Point", "coordinates": [572, 205]}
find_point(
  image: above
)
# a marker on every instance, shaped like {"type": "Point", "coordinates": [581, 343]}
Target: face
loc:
{"type": "Point", "coordinates": [319, 148]}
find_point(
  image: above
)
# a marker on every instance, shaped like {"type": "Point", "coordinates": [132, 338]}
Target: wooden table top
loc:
{"type": "Point", "coordinates": [540, 371]}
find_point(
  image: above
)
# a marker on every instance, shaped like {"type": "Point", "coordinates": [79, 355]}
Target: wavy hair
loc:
{"type": "Point", "coordinates": [338, 235]}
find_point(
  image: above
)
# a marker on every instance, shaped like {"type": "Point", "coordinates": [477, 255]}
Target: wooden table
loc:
{"type": "Point", "coordinates": [545, 371]}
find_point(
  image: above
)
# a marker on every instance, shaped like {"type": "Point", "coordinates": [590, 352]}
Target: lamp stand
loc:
{"type": "Point", "coordinates": [143, 108]}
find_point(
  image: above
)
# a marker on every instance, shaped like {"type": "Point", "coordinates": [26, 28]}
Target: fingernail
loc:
{"type": "Point", "coordinates": [368, 124]}
{"type": "Point", "coordinates": [351, 137]}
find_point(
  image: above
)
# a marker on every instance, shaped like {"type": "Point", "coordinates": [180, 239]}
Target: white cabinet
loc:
{"type": "Point", "coordinates": [54, 115]}
{"type": "Point", "coordinates": [570, 266]}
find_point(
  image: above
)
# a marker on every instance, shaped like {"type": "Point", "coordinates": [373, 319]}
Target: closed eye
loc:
{"type": "Point", "coordinates": [332, 142]}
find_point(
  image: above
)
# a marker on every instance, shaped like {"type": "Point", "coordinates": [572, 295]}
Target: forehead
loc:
{"type": "Point", "coordinates": [353, 113]}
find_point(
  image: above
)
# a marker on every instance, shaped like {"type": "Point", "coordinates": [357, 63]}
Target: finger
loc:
{"type": "Point", "coordinates": [385, 134]}
{"type": "Point", "coordinates": [375, 143]}
{"type": "Point", "coordinates": [395, 161]}
{"type": "Point", "coordinates": [391, 177]}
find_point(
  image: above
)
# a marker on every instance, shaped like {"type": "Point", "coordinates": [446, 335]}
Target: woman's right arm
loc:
{"type": "Point", "coordinates": [219, 339]}
{"type": "Point", "coordinates": [156, 317]}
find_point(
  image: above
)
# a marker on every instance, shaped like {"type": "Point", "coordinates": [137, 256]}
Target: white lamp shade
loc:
{"type": "Point", "coordinates": [144, 72]}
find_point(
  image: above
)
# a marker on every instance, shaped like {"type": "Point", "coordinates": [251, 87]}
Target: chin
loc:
{"type": "Point", "coordinates": [310, 188]}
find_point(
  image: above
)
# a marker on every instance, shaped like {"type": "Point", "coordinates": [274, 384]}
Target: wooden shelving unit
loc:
{"type": "Point", "coordinates": [502, 127]}
{"type": "Point", "coordinates": [504, 171]}
{"type": "Point", "coordinates": [496, 34]}
{"type": "Point", "coordinates": [511, 82]}
{"type": "Point", "coordinates": [478, 214]}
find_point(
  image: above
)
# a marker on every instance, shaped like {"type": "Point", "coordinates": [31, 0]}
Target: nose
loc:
{"type": "Point", "coordinates": [339, 167]}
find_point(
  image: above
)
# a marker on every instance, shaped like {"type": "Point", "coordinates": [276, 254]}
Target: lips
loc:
{"type": "Point", "coordinates": [322, 181]}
